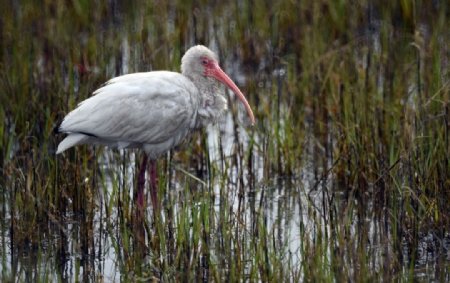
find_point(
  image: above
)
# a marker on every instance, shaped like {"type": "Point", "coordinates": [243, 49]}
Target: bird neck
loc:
{"type": "Point", "coordinates": [212, 103]}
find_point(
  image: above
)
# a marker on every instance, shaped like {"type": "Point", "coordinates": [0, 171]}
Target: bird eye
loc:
{"type": "Point", "coordinates": [204, 62]}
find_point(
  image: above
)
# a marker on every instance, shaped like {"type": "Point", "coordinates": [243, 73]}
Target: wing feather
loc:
{"type": "Point", "coordinates": [145, 108]}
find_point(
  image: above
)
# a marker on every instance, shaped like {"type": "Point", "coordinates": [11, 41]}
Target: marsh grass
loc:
{"type": "Point", "coordinates": [345, 176]}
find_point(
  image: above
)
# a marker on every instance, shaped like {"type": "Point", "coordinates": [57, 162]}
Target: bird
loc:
{"type": "Point", "coordinates": [153, 111]}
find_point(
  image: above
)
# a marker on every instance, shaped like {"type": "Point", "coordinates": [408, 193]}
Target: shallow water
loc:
{"type": "Point", "coordinates": [344, 177]}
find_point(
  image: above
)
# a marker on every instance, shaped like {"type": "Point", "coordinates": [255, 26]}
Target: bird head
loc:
{"type": "Point", "coordinates": [199, 61]}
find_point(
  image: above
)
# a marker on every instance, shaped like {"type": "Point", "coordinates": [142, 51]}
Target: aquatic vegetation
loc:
{"type": "Point", "coordinates": [345, 176]}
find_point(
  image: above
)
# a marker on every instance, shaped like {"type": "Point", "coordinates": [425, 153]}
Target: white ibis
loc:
{"type": "Point", "coordinates": [153, 111]}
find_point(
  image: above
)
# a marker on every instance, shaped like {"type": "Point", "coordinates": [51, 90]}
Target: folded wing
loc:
{"type": "Point", "coordinates": [135, 109]}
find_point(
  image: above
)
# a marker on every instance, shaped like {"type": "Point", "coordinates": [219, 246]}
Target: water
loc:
{"type": "Point", "coordinates": [336, 181]}
{"type": "Point", "coordinates": [89, 244]}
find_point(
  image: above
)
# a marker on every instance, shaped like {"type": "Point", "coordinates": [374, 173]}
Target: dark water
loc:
{"type": "Point", "coordinates": [343, 178]}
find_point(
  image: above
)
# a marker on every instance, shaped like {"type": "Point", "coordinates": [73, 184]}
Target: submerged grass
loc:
{"type": "Point", "coordinates": [345, 177]}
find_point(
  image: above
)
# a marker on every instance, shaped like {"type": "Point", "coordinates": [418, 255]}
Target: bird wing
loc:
{"type": "Point", "coordinates": [137, 108]}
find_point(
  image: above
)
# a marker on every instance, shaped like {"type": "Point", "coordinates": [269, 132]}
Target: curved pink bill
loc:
{"type": "Point", "coordinates": [220, 75]}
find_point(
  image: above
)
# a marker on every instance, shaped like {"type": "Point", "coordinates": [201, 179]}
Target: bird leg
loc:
{"type": "Point", "coordinates": [153, 184]}
{"type": "Point", "coordinates": [139, 220]}
{"type": "Point", "coordinates": [140, 198]}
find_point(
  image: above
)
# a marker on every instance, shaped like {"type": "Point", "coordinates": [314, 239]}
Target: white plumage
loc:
{"type": "Point", "coordinates": [154, 111]}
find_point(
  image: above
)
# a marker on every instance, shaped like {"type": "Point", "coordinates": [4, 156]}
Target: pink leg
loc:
{"type": "Point", "coordinates": [141, 182]}
{"type": "Point", "coordinates": [139, 239]}
{"type": "Point", "coordinates": [154, 184]}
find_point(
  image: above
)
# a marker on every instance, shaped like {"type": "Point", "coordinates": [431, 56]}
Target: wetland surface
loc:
{"type": "Point", "coordinates": [345, 176]}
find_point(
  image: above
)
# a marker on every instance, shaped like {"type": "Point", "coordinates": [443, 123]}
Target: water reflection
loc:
{"type": "Point", "coordinates": [291, 218]}
{"type": "Point", "coordinates": [234, 204]}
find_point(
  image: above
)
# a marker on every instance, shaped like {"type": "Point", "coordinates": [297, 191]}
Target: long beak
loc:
{"type": "Point", "coordinates": [217, 73]}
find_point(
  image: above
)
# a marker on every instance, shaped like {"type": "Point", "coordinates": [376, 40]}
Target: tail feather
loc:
{"type": "Point", "coordinates": [71, 140]}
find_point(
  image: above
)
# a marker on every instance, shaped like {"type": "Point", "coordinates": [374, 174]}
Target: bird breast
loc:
{"type": "Point", "coordinates": [213, 104]}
